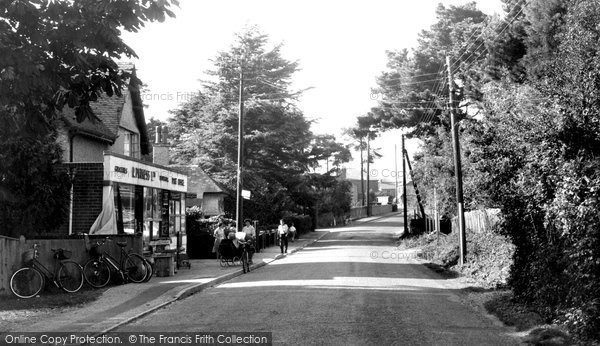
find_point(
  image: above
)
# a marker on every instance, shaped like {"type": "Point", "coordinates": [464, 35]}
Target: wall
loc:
{"type": "Point", "coordinates": [87, 196]}
{"type": "Point", "coordinates": [12, 250]}
{"type": "Point", "coordinates": [87, 150]}
{"type": "Point", "coordinates": [212, 204]}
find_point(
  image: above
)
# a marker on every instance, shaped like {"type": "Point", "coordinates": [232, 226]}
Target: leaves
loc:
{"type": "Point", "coordinates": [279, 147]}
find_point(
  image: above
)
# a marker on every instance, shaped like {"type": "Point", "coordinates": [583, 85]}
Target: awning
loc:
{"type": "Point", "coordinates": [106, 222]}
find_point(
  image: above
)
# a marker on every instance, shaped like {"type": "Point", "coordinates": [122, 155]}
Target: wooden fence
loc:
{"type": "Point", "coordinates": [12, 250]}
{"type": "Point", "coordinates": [478, 221]}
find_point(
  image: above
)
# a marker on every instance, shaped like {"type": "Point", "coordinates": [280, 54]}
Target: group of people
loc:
{"type": "Point", "coordinates": [248, 235]}
{"type": "Point", "coordinates": [227, 235]}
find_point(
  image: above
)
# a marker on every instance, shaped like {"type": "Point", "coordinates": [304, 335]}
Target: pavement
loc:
{"type": "Point", "coordinates": [122, 304]}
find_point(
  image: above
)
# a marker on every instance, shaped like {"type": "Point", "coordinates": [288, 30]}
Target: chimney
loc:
{"type": "Point", "coordinates": [160, 150]}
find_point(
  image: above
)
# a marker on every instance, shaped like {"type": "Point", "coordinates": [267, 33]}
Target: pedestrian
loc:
{"type": "Point", "coordinates": [292, 232]}
{"type": "Point", "coordinates": [250, 238]}
{"type": "Point", "coordinates": [219, 235]}
{"type": "Point", "coordinates": [282, 231]}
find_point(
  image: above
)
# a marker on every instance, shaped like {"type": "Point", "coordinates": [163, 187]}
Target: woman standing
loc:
{"type": "Point", "coordinates": [219, 235]}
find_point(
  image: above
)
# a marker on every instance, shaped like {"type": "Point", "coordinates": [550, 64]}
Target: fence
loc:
{"type": "Point", "coordinates": [478, 220]}
{"type": "Point", "coordinates": [11, 252]}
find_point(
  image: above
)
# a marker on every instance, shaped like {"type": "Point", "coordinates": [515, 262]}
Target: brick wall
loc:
{"type": "Point", "coordinates": [87, 196]}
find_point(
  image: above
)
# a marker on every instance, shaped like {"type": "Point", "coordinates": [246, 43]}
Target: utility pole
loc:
{"type": "Point", "coordinates": [368, 174]}
{"type": "Point", "coordinates": [435, 215]}
{"type": "Point", "coordinates": [239, 200]}
{"type": "Point", "coordinates": [457, 172]}
{"type": "Point", "coordinates": [362, 179]}
{"type": "Point", "coordinates": [404, 189]}
{"type": "Point", "coordinates": [396, 173]}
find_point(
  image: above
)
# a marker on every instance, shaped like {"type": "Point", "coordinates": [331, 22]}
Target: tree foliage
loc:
{"type": "Point", "coordinates": [279, 146]}
{"type": "Point", "coordinates": [57, 53]}
{"type": "Point", "coordinates": [54, 54]}
{"type": "Point", "coordinates": [530, 139]}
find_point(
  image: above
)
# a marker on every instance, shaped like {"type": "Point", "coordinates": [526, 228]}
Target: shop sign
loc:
{"type": "Point", "coordinates": [122, 170]}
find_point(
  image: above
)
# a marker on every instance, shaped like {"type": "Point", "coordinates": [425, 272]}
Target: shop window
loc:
{"type": "Point", "coordinates": [125, 208]}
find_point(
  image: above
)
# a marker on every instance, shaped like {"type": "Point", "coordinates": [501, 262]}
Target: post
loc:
{"type": "Point", "coordinates": [239, 200]}
{"type": "Point", "coordinates": [457, 172]}
{"type": "Point", "coordinates": [435, 216]}
{"type": "Point", "coordinates": [396, 173]}
{"type": "Point", "coordinates": [362, 179]}
{"type": "Point", "coordinates": [404, 189]}
{"type": "Point", "coordinates": [368, 175]}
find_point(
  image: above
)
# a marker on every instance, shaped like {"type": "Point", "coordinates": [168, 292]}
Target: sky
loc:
{"type": "Point", "coordinates": [340, 46]}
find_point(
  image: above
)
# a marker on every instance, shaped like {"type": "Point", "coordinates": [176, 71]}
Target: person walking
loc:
{"type": "Point", "coordinates": [250, 238]}
{"type": "Point", "coordinates": [292, 232]}
{"type": "Point", "coordinates": [282, 231]}
{"type": "Point", "coordinates": [219, 235]}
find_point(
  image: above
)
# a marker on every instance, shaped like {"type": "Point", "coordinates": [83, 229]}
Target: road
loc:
{"type": "Point", "coordinates": [351, 287]}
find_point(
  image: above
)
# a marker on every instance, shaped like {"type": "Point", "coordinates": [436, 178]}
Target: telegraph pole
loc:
{"type": "Point", "coordinates": [239, 200]}
{"type": "Point", "coordinates": [368, 174]}
{"type": "Point", "coordinates": [404, 189]}
{"type": "Point", "coordinates": [362, 179]}
{"type": "Point", "coordinates": [396, 173]}
{"type": "Point", "coordinates": [457, 173]}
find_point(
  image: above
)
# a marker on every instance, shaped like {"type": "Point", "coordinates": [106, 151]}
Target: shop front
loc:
{"type": "Point", "coordinates": [145, 199]}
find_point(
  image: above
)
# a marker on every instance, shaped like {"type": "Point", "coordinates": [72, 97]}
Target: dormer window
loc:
{"type": "Point", "coordinates": [131, 145]}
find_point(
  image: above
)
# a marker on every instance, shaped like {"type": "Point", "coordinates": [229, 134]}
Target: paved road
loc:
{"type": "Point", "coordinates": [351, 287]}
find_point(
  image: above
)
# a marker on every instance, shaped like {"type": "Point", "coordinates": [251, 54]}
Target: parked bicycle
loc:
{"type": "Point", "coordinates": [130, 267]}
{"type": "Point", "coordinates": [29, 281]}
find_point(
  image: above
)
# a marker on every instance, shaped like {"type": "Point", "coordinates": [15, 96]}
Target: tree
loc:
{"type": "Point", "coordinates": [538, 158]}
{"type": "Point", "coordinates": [52, 54]}
{"type": "Point", "coordinates": [279, 146]}
{"type": "Point", "coordinates": [57, 53]}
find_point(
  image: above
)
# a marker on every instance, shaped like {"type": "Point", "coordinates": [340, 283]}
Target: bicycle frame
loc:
{"type": "Point", "coordinates": [48, 275]}
{"type": "Point", "coordinates": [112, 262]}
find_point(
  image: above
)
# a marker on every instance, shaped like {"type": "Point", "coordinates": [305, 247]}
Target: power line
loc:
{"type": "Point", "coordinates": [489, 29]}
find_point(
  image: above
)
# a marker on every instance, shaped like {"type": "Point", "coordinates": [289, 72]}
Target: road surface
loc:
{"type": "Point", "coordinates": [352, 287]}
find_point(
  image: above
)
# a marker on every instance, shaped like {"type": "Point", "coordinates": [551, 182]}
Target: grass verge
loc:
{"type": "Point", "coordinates": [51, 299]}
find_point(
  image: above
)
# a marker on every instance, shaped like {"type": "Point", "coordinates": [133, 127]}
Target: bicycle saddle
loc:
{"type": "Point", "coordinates": [122, 243]}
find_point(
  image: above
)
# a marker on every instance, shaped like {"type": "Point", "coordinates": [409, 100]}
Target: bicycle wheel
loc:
{"type": "Point", "coordinates": [70, 276]}
{"type": "Point", "coordinates": [96, 273]}
{"type": "Point", "coordinates": [245, 262]}
{"type": "Point", "coordinates": [26, 282]}
{"type": "Point", "coordinates": [149, 270]}
{"type": "Point", "coordinates": [135, 268]}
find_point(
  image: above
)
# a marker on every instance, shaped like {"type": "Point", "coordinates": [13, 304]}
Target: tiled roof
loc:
{"type": "Point", "coordinates": [198, 181]}
{"type": "Point", "coordinates": [109, 110]}
{"type": "Point", "coordinates": [89, 126]}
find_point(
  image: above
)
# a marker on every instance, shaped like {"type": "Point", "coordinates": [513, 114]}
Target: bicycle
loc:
{"type": "Point", "coordinates": [229, 255]}
{"type": "Point", "coordinates": [28, 281]}
{"type": "Point", "coordinates": [130, 267]}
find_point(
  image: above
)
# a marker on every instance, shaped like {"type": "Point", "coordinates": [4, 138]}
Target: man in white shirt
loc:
{"type": "Point", "coordinates": [282, 231]}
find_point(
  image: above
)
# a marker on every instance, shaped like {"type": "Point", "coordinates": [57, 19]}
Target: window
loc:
{"type": "Point", "coordinates": [131, 145]}
{"type": "Point", "coordinates": [125, 208]}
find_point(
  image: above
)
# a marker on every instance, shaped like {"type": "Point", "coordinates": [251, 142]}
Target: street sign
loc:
{"type": "Point", "coordinates": [246, 194]}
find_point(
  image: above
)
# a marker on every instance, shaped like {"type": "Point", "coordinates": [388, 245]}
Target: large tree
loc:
{"type": "Point", "coordinates": [54, 54]}
{"type": "Point", "coordinates": [279, 146]}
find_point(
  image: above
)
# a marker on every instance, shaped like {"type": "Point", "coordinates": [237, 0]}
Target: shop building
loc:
{"type": "Point", "coordinates": [117, 188]}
